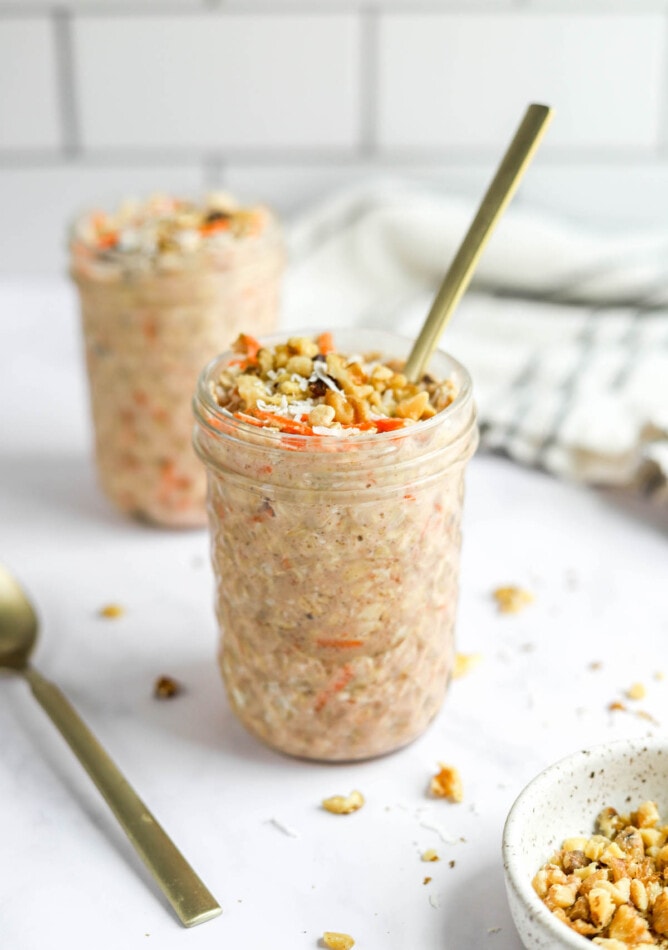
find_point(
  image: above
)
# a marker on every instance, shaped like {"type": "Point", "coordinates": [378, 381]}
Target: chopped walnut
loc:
{"type": "Point", "coordinates": [337, 941]}
{"type": "Point", "coordinates": [447, 783]}
{"type": "Point", "coordinates": [166, 688]}
{"type": "Point", "coordinates": [343, 804]}
{"type": "Point", "coordinates": [464, 663]}
{"type": "Point", "coordinates": [510, 600]}
{"type": "Point", "coordinates": [112, 611]}
{"type": "Point", "coordinates": [636, 691]}
{"type": "Point", "coordinates": [430, 855]}
{"type": "Point", "coordinates": [305, 387]}
{"type": "Point", "coordinates": [611, 886]}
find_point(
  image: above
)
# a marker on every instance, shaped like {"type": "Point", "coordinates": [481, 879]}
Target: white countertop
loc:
{"type": "Point", "coordinates": [248, 819]}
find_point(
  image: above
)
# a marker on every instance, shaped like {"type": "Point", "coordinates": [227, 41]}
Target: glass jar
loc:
{"type": "Point", "coordinates": [336, 568]}
{"type": "Point", "coordinates": [148, 329]}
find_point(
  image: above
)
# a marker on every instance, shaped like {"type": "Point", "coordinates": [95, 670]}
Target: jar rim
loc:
{"type": "Point", "coordinates": [204, 395]}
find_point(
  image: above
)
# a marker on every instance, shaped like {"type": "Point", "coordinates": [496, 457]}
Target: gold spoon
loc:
{"type": "Point", "coordinates": [495, 201]}
{"type": "Point", "coordinates": [185, 891]}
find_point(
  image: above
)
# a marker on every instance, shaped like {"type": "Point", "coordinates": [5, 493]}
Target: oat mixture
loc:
{"type": "Point", "coordinates": [164, 286]}
{"type": "Point", "coordinates": [612, 887]}
{"type": "Point", "coordinates": [335, 538]}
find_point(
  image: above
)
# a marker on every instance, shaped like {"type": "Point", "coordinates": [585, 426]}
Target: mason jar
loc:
{"type": "Point", "coordinates": [336, 567]}
{"type": "Point", "coordinates": [148, 327]}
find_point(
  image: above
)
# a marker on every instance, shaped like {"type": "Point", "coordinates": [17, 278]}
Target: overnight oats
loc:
{"type": "Point", "coordinates": [164, 285]}
{"type": "Point", "coordinates": [335, 496]}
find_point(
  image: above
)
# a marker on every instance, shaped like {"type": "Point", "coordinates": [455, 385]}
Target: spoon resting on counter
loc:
{"type": "Point", "coordinates": [187, 894]}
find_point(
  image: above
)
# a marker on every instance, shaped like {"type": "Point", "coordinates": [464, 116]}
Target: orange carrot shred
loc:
{"type": "Point", "coordinates": [333, 643]}
{"type": "Point", "coordinates": [335, 686]}
{"type": "Point", "coordinates": [325, 343]}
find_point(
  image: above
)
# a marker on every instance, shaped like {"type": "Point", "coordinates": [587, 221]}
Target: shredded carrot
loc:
{"type": "Point", "coordinates": [335, 686]}
{"type": "Point", "coordinates": [389, 424]}
{"type": "Point", "coordinates": [332, 643]}
{"type": "Point", "coordinates": [285, 425]}
{"type": "Point", "coordinates": [214, 227]}
{"type": "Point", "coordinates": [249, 345]}
{"type": "Point", "coordinates": [325, 343]}
{"type": "Point", "coordinates": [110, 239]}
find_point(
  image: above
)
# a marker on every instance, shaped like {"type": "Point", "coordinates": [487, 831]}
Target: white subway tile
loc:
{"type": "Point", "coordinates": [218, 81]}
{"type": "Point", "coordinates": [465, 80]}
{"type": "Point", "coordinates": [28, 101]}
{"type": "Point", "coordinates": [38, 203]}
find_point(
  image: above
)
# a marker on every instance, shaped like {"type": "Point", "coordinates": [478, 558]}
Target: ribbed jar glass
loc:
{"type": "Point", "coordinates": [336, 565]}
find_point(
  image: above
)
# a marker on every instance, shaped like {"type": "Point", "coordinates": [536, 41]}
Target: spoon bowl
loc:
{"type": "Point", "coordinates": [187, 894]}
{"type": "Point", "coordinates": [18, 623]}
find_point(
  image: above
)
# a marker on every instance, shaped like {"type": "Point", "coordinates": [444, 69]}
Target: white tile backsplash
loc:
{"type": "Point", "coordinates": [289, 100]}
{"type": "Point", "coordinates": [29, 116]}
{"type": "Point", "coordinates": [38, 203]}
{"type": "Point", "coordinates": [453, 81]}
{"type": "Point", "coordinates": [218, 81]}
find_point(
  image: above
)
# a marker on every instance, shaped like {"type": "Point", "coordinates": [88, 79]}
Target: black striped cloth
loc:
{"type": "Point", "coordinates": [564, 331]}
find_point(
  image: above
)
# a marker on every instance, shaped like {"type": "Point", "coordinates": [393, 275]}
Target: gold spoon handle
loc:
{"type": "Point", "coordinates": [497, 197]}
{"type": "Point", "coordinates": [183, 888]}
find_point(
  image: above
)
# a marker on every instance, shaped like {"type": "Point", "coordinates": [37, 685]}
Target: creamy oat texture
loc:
{"type": "Point", "coordinates": [164, 285]}
{"type": "Point", "coordinates": [336, 562]}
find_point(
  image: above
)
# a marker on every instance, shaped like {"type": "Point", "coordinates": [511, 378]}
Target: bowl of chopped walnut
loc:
{"type": "Point", "coordinates": [585, 850]}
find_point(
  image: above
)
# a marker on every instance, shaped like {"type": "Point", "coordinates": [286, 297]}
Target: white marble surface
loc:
{"type": "Point", "coordinates": [68, 877]}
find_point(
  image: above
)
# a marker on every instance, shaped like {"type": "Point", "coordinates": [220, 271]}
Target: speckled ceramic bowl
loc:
{"type": "Point", "coordinates": [563, 801]}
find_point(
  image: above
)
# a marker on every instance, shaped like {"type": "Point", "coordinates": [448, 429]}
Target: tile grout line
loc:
{"type": "Point", "coordinates": [662, 124]}
{"type": "Point", "coordinates": [31, 8]}
{"type": "Point", "coordinates": [65, 82]}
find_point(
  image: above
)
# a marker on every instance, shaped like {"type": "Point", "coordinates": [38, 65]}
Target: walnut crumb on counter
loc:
{"type": "Point", "coordinates": [447, 783]}
{"type": "Point", "coordinates": [464, 663]}
{"type": "Point", "coordinates": [343, 804]}
{"type": "Point", "coordinates": [166, 688]}
{"type": "Point", "coordinates": [511, 599]}
{"type": "Point", "coordinates": [111, 611]}
{"type": "Point", "coordinates": [337, 941]}
{"type": "Point", "coordinates": [636, 691]}
{"type": "Point", "coordinates": [430, 855]}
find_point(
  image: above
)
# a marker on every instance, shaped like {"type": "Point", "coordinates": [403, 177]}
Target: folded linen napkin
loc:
{"type": "Point", "coordinates": [565, 333]}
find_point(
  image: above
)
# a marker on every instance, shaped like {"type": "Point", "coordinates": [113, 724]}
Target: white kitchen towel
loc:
{"type": "Point", "coordinates": [565, 333]}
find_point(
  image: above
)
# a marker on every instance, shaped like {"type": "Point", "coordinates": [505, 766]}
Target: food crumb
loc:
{"type": "Point", "coordinates": [447, 783]}
{"type": "Point", "coordinates": [464, 663]}
{"type": "Point", "coordinates": [343, 804]}
{"type": "Point", "coordinates": [616, 706]}
{"type": "Point", "coordinates": [636, 691]}
{"type": "Point", "coordinates": [511, 599]}
{"type": "Point", "coordinates": [337, 941]}
{"type": "Point", "coordinates": [451, 864]}
{"type": "Point", "coordinates": [430, 855]}
{"type": "Point", "coordinates": [595, 666]}
{"type": "Point", "coordinates": [166, 688]}
{"type": "Point", "coordinates": [112, 611]}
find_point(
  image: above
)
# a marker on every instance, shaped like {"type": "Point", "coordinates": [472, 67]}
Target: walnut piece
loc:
{"type": "Point", "coordinates": [343, 804]}
{"type": "Point", "coordinates": [447, 783]}
{"type": "Point", "coordinates": [510, 600]}
{"type": "Point", "coordinates": [166, 688]}
{"type": "Point", "coordinates": [337, 941]}
{"type": "Point", "coordinates": [611, 886]}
